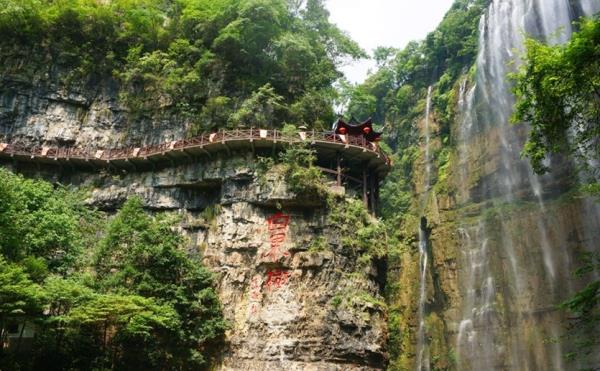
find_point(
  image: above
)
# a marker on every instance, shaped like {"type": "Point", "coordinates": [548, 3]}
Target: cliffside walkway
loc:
{"type": "Point", "coordinates": [349, 158]}
{"type": "Point", "coordinates": [205, 144]}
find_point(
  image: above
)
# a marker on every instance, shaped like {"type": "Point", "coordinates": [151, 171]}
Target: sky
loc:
{"type": "Point", "coordinates": [374, 23]}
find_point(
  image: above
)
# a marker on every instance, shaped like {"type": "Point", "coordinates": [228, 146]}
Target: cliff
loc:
{"type": "Point", "coordinates": [296, 293]}
{"type": "Point", "coordinates": [501, 244]}
{"type": "Point", "coordinates": [41, 107]}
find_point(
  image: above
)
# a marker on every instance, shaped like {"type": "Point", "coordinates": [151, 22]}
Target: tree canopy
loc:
{"type": "Point", "coordinates": [558, 94]}
{"type": "Point", "coordinates": [133, 299]}
{"type": "Point", "coordinates": [207, 61]}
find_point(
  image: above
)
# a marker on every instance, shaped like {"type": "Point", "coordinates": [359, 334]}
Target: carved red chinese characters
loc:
{"type": "Point", "coordinates": [278, 226]}
{"type": "Point", "coordinates": [277, 278]}
{"type": "Point", "coordinates": [255, 294]}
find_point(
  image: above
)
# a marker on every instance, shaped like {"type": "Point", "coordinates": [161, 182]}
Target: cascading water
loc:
{"type": "Point", "coordinates": [476, 331]}
{"type": "Point", "coordinates": [422, 349]}
{"type": "Point", "coordinates": [465, 108]}
{"type": "Point", "coordinates": [427, 140]}
{"type": "Point", "coordinates": [510, 273]}
{"type": "Point", "coordinates": [423, 362]}
{"type": "Point", "coordinates": [589, 6]}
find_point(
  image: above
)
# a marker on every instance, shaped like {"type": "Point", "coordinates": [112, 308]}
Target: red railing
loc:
{"type": "Point", "coordinates": [200, 141]}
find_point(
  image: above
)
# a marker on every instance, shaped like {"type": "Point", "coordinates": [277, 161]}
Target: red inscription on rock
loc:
{"type": "Point", "coordinates": [255, 294]}
{"type": "Point", "coordinates": [278, 226]}
{"type": "Point", "coordinates": [277, 278]}
{"type": "Point", "coordinates": [255, 288]}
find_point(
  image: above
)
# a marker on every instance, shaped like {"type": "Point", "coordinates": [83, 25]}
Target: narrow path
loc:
{"type": "Point", "coordinates": [355, 148]}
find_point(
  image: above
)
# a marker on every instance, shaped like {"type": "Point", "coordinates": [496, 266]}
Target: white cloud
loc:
{"type": "Point", "coordinates": [374, 23]}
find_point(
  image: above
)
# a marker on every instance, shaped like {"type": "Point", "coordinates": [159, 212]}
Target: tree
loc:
{"type": "Point", "coordinates": [261, 108]}
{"type": "Point", "coordinates": [131, 330]}
{"type": "Point", "coordinates": [20, 298]}
{"type": "Point", "coordinates": [585, 305]}
{"type": "Point", "coordinates": [144, 303]}
{"type": "Point", "coordinates": [144, 255]}
{"type": "Point", "coordinates": [383, 55]}
{"type": "Point", "coordinates": [40, 221]}
{"type": "Point", "coordinates": [558, 94]}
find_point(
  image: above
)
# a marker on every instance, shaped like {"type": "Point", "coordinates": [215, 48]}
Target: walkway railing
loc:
{"type": "Point", "coordinates": [204, 140]}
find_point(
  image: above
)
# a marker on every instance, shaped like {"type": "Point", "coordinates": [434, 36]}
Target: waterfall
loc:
{"type": "Point", "coordinates": [514, 270]}
{"type": "Point", "coordinates": [476, 330]}
{"type": "Point", "coordinates": [465, 109]}
{"type": "Point", "coordinates": [427, 139]}
{"type": "Point", "coordinates": [422, 349]}
{"type": "Point", "coordinates": [589, 7]}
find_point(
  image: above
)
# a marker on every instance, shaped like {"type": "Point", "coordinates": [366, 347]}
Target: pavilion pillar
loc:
{"type": "Point", "coordinates": [376, 192]}
{"type": "Point", "coordinates": [364, 182]}
{"type": "Point", "coordinates": [339, 171]}
{"type": "Point", "coordinates": [372, 192]}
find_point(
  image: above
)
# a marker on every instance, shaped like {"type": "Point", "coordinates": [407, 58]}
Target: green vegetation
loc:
{"type": "Point", "coordinates": [262, 167]}
{"type": "Point", "coordinates": [131, 300]}
{"type": "Point", "coordinates": [38, 221]}
{"type": "Point", "coordinates": [359, 230]}
{"type": "Point", "coordinates": [397, 191]}
{"type": "Point", "coordinates": [356, 299]}
{"type": "Point", "coordinates": [395, 94]}
{"type": "Point", "coordinates": [361, 233]}
{"type": "Point", "coordinates": [392, 92]}
{"type": "Point", "coordinates": [296, 166]}
{"type": "Point", "coordinates": [225, 64]}
{"type": "Point", "coordinates": [558, 94]}
{"type": "Point", "coordinates": [585, 305]}
{"type": "Point", "coordinates": [300, 173]}
{"type": "Point", "coordinates": [318, 244]}
{"type": "Point", "coordinates": [444, 167]}
{"type": "Point", "coordinates": [209, 215]}
{"type": "Point", "coordinates": [214, 63]}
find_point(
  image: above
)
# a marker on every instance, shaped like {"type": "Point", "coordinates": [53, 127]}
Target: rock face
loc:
{"type": "Point", "coordinates": [295, 298]}
{"type": "Point", "coordinates": [37, 107]}
{"type": "Point", "coordinates": [282, 295]}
